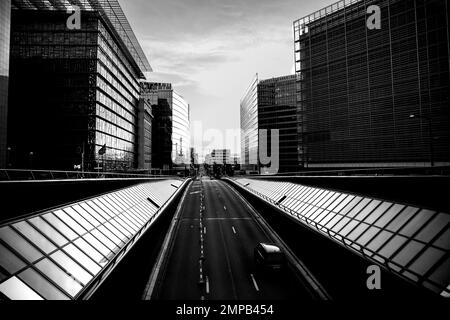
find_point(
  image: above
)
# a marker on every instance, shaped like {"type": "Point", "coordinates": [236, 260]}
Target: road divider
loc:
{"type": "Point", "coordinates": [166, 247]}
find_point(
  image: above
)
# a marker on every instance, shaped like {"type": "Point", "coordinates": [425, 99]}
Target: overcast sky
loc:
{"type": "Point", "coordinates": [210, 50]}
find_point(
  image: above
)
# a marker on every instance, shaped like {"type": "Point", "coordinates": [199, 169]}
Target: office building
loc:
{"type": "Point", "coordinates": [271, 105]}
{"type": "Point", "coordinates": [194, 157]}
{"type": "Point", "coordinates": [220, 156]}
{"type": "Point", "coordinates": [145, 119]}
{"type": "Point", "coordinates": [277, 110]}
{"type": "Point", "coordinates": [158, 96]}
{"type": "Point", "coordinates": [235, 159]}
{"type": "Point", "coordinates": [181, 135]}
{"type": "Point", "coordinates": [73, 90]}
{"type": "Point", "coordinates": [5, 22]}
{"type": "Point", "coordinates": [171, 125]}
{"type": "Point", "coordinates": [375, 97]}
{"type": "Point", "coordinates": [249, 127]}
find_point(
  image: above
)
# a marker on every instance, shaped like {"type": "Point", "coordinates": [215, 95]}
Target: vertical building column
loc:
{"type": "Point", "coordinates": [392, 73]}
{"type": "Point", "coordinates": [5, 27]}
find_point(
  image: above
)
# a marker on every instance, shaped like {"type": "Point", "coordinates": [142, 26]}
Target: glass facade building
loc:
{"type": "Point", "coordinates": [181, 134]}
{"type": "Point", "coordinates": [145, 118]}
{"type": "Point", "coordinates": [271, 104]}
{"type": "Point", "coordinates": [82, 86]}
{"type": "Point", "coordinates": [249, 127]}
{"type": "Point", "coordinates": [358, 87]}
{"type": "Point", "coordinates": [5, 23]}
{"type": "Point", "coordinates": [277, 109]}
{"type": "Point", "coordinates": [171, 125]}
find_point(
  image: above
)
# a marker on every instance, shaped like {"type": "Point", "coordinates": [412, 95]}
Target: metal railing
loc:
{"type": "Point", "coordinates": [385, 171]}
{"type": "Point", "coordinates": [28, 174]}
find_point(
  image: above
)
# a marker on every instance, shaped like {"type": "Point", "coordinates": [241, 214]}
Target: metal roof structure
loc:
{"type": "Point", "coordinates": [302, 24]}
{"type": "Point", "coordinates": [412, 242]}
{"type": "Point", "coordinates": [110, 9]}
{"type": "Point", "coordinates": [65, 253]}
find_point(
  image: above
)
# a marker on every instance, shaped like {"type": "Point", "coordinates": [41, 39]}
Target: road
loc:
{"type": "Point", "coordinates": [230, 232]}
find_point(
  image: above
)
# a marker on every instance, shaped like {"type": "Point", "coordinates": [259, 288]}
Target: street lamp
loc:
{"type": "Point", "coordinates": [8, 157]}
{"type": "Point", "coordinates": [430, 135]}
{"type": "Point", "coordinates": [31, 159]}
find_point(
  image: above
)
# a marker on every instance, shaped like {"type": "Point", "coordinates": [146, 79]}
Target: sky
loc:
{"type": "Point", "coordinates": [210, 50]}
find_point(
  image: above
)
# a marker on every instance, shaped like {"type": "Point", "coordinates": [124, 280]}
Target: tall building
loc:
{"type": "Point", "coordinates": [5, 23]}
{"type": "Point", "coordinates": [171, 125]}
{"type": "Point", "coordinates": [267, 105]}
{"type": "Point", "coordinates": [181, 135]}
{"type": "Point", "coordinates": [144, 145]}
{"type": "Point", "coordinates": [249, 127]}
{"type": "Point", "coordinates": [194, 156]}
{"type": "Point", "coordinates": [73, 88]}
{"type": "Point", "coordinates": [375, 97]}
{"type": "Point", "coordinates": [277, 109]}
{"type": "Point", "coordinates": [159, 97]}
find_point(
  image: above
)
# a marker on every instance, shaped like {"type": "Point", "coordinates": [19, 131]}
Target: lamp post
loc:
{"type": "Point", "coordinates": [31, 159]}
{"type": "Point", "coordinates": [8, 157]}
{"type": "Point", "coordinates": [430, 135]}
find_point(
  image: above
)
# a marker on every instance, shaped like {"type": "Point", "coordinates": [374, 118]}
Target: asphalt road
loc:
{"type": "Point", "coordinates": [229, 234]}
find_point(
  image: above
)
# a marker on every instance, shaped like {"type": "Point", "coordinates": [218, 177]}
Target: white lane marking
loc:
{"type": "Point", "coordinates": [254, 282]}
{"type": "Point", "coordinates": [234, 230]}
{"type": "Point", "coordinates": [204, 230]}
{"type": "Point", "coordinates": [207, 285]}
{"type": "Point", "coordinates": [194, 192]}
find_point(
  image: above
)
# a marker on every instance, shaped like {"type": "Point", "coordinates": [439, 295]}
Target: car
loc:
{"type": "Point", "coordinates": [269, 256]}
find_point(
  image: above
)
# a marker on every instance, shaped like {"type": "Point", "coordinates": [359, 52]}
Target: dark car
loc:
{"type": "Point", "coordinates": [269, 256]}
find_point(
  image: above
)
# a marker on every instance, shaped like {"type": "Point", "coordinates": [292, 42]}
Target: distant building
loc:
{"type": "Point", "coordinates": [271, 104]}
{"type": "Point", "coordinates": [5, 24]}
{"type": "Point", "coordinates": [249, 126]}
{"type": "Point", "coordinates": [159, 95]}
{"type": "Point", "coordinates": [277, 109]}
{"type": "Point", "coordinates": [82, 86]}
{"type": "Point", "coordinates": [171, 125]}
{"type": "Point", "coordinates": [375, 97]}
{"type": "Point", "coordinates": [235, 159]}
{"type": "Point", "coordinates": [208, 159]}
{"type": "Point", "coordinates": [144, 146]}
{"type": "Point", "coordinates": [220, 156]}
{"type": "Point", "coordinates": [194, 156]}
{"type": "Point", "coordinates": [181, 135]}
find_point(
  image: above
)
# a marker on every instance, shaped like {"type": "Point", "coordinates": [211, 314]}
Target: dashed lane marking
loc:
{"type": "Point", "coordinates": [254, 282]}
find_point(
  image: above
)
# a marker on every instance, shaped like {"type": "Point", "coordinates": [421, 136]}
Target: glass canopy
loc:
{"type": "Point", "coordinates": [59, 253]}
{"type": "Point", "coordinates": [411, 241]}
